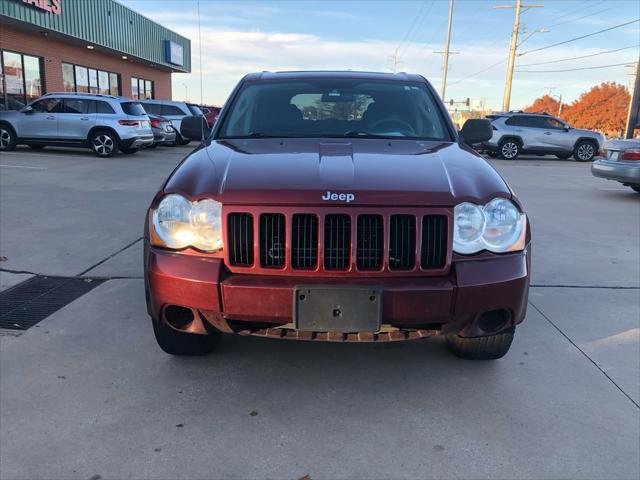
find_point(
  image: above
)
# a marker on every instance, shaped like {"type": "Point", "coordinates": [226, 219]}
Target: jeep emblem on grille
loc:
{"type": "Point", "coordinates": [344, 197]}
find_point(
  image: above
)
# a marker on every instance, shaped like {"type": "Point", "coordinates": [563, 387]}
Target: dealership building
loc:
{"type": "Point", "coordinates": [94, 46]}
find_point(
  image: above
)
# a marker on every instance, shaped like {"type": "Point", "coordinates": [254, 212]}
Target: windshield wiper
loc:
{"type": "Point", "coordinates": [256, 135]}
{"type": "Point", "coordinates": [358, 133]}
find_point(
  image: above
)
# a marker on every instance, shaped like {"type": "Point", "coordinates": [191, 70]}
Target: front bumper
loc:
{"type": "Point", "coordinates": [413, 307]}
{"type": "Point", "coordinates": [620, 171]}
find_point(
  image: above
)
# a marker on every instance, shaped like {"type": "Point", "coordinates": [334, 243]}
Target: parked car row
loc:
{"type": "Point", "coordinates": [104, 123]}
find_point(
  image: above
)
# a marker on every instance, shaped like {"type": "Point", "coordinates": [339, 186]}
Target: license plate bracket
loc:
{"type": "Point", "coordinates": [337, 309]}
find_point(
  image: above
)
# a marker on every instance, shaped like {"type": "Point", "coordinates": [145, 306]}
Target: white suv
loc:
{"type": "Point", "coordinates": [103, 123]}
{"type": "Point", "coordinates": [540, 134]}
{"type": "Point", "coordinates": [174, 111]}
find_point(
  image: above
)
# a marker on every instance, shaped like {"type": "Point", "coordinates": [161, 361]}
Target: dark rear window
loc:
{"type": "Point", "coordinates": [518, 121]}
{"type": "Point", "coordinates": [194, 110]}
{"type": "Point", "coordinates": [172, 110]}
{"type": "Point", "coordinates": [104, 107]}
{"type": "Point", "coordinates": [133, 108]}
{"type": "Point", "coordinates": [152, 108]}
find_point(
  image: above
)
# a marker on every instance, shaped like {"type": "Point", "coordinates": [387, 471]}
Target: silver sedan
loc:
{"type": "Point", "coordinates": [620, 161]}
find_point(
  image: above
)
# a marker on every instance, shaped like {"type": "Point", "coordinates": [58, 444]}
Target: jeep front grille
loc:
{"type": "Point", "coordinates": [330, 241]}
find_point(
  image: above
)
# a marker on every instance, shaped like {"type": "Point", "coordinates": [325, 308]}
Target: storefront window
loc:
{"type": "Point", "coordinates": [68, 79]}
{"type": "Point", "coordinates": [134, 88]}
{"type": "Point", "coordinates": [21, 80]}
{"type": "Point", "coordinates": [32, 79]}
{"type": "Point", "coordinates": [142, 89]}
{"type": "Point", "coordinates": [103, 82]}
{"type": "Point", "coordinates": [77, 78]}
{"type": "Point", "coordinates": [93, 81]}
{"type": "Point", "coordinates": [114, 84]}
{"type": "Point", "coordinates": [82, 79]}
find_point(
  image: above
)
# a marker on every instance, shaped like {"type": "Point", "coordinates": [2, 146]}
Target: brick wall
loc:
{"type": "Point", "coordinates": [55, 52]}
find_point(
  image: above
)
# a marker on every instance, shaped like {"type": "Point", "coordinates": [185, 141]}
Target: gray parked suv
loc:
{"type": "Point", "coordinates": [540, 134]}
{"type": "Point", "coordinates": [103, 123]}
{"type": "Point", "coordinates": [174, 111]}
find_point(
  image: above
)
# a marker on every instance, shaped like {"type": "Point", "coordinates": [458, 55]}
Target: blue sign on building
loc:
{"type": "Point", "coordinates": [174, 53]}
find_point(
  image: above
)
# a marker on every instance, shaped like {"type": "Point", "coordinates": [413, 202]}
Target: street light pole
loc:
{"type": "Point", "coordinates": [445, 65]}
{"type": "Point", "coordinates": [512, 50]}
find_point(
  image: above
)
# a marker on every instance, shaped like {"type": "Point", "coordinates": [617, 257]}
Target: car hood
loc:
{"type": "Point", "coordinates": [358, 172]}
{"type": "Point", "coordinates": [586, 133]}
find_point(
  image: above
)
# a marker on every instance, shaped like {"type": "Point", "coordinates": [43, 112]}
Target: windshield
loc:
{"type": "Point", "coordinates": [335, 108]}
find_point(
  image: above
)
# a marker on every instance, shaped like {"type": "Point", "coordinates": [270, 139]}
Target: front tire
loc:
{"type": "Point", "coordinates": [491, 347]}
{"type": "Point", "coordinates": [8, 138]}
{"type": "Point", "coordinates": [179, 343]}
{"type": "Point", "coordinates": [104, 144]}
{"type": "Point", "coordinates": [509, 149]}
{"type": "Point", "coordinates": [584, 151]}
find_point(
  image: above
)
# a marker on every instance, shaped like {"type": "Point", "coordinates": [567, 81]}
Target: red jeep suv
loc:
{"type": "Point", "coordinates": [340, 207]}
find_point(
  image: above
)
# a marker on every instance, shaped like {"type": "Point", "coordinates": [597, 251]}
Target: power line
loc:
{"type": "Point", "coordinates": [581, 56]}
{"type": "Point", "coordinates": [419, 22]}
{"type": "Point", "coordinates": [412, 26]}
{"type": "Point", "coordinates": [580, 18]}
{"type": "Point", "coordinates": [477, 73]}
{"type": "Point", "coordinates": [579, 38]}
{"type": "Point", "coordinates": [574, 69]}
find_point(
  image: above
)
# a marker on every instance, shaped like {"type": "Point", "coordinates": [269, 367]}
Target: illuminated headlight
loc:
{"type": "Point", "coordinates": [177, 223]}
{"type": "Point", "coordinates": [497, 226]}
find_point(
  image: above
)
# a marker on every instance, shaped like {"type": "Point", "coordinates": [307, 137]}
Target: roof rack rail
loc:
{"type": "Point", "coordinates": [79, 93]}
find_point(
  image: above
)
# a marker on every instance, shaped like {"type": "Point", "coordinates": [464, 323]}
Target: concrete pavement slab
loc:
{"type": "Point", "coordinates": [65, 210]}
{"type": "Point", "coordinates": [582, 235]}
{"type": "Point", "coordinates": [89, 393]}
{"type": "Point", "coordinates": [127, 263]}
{"type": "Point", "coordinates": [604, 323]}
{"type": "Point", "coordinates": [8, 279]}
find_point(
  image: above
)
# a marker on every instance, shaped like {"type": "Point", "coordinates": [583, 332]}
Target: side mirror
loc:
{"type": "Point", "coordinates": [194, 127]}
{"type": "Point", "coordinates": [566, 128]}
{"type": "Point", "coordinates": [476, 130]}
{"type": "Point", "coordinates": [28, 110]}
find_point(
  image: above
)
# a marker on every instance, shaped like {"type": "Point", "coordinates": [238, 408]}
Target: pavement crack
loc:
{"type": "Point", "coordinates": [109, 257]}
{"type": "Point", "coordinates": [583, 353]}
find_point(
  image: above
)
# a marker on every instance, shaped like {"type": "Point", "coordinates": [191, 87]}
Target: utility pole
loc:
{"type": "Point", "coordinates": [394, 60]}
{"type": "Point", "coordinates": [633, 116]}
{"type": "Point", "coordinates": [445, 65]}
{"type": "Point", "coordinates": [512, 49]}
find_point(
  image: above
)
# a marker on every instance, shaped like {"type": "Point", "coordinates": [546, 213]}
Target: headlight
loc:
{"type": "Point", "coordinates": [178, 223]}
{"type": "Point", "coordinates": [497, 226]}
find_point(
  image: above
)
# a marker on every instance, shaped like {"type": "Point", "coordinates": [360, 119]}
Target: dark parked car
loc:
{"type": "Point", "coordinates": [163, 131]}
{"type": "Point", "coordinates": [336, 206]}
{"type": "Point", "coordinates": [620, 162]}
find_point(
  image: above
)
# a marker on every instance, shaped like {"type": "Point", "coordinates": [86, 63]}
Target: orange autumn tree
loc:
{"type": "Point", "coordinates": [603, 108]}
{"type": "Point", "coordinates": [544, 104]}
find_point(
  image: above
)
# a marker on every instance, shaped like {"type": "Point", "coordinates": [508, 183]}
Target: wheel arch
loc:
{"type": "Point", "coordinates": [5, 123]}
{"type": "Point", "coordinates": [101, 128]}
{"type": "Point", "coordinates": [508, 136]}
{"type": "Point", "coordinates": [586, 139]}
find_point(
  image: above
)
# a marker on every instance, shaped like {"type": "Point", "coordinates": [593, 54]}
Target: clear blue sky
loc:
{"type": "Point", "coordinates": [243, 36]}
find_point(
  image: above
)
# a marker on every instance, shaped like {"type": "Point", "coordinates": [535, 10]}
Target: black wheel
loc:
{"type": "Point", "coordinates": [8, 138]}
{"type": "Point", "coordinates": [563, 156]}
{"type": "Point", "coordinates": [104, 143]}
{"type": "Point", "coordinates": [481, 348]}
{"type": "Point", "coordinates": [129, 151]}
{"type": "Point", "coordinates": [179, 343]}
{"type": "Point", "coordinates": [584, 151]}
{"type": "Point", "coordinates": [636, 188]}
{"type": "Point", "coordinates": [509, 149]}
{"type": "Point", "coordinates": [36, 147]}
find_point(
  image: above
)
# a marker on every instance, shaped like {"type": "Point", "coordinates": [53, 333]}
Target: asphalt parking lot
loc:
{"type": "Point", "coordinates": [88, 394]}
